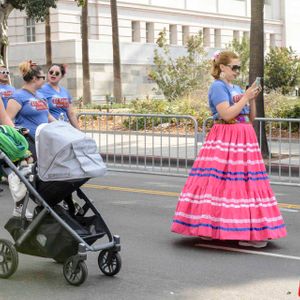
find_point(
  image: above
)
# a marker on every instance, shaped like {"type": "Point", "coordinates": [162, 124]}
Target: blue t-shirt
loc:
{"type": "Point", "coordinates": [34, 110]}
{"type": "Point", "coordinates": [58, 102]}
{"type": "Point", "coordinates": [220, 92]}
{"type": "Point", "coordinates": [6, 91]}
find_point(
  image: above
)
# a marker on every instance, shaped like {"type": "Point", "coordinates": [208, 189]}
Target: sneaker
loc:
{"type": "Point", "coordinates": [255, 244]}
{"type": "Point", "coordinates": [17, 212]}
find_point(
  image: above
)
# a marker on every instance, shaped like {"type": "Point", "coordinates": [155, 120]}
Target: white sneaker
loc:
{"type": "Point", "coordinates": [17, 212]}
{"type": "Point", "coordinates": [255, 244]}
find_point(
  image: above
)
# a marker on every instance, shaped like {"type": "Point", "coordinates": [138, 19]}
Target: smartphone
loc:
{"type": "Point", "coordinates": [258, 81]}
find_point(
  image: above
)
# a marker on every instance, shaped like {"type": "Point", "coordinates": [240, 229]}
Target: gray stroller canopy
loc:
{"type": "Point", "coordinates": [65, 153]}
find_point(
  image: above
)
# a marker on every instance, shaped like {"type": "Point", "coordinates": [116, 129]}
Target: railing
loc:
{"type": "Point", "coordinates": [163, 144]}
{"type": "Point", "coordinates": [282, 140]}
{"type": "Point", "coordinates": [169, 144]}
{"type": "Point", "coordinates": [282, 157]}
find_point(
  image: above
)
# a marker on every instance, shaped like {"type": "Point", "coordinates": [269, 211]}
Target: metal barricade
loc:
{"type": "Point", "coordinates": [282, 159]}
{"type": "Point", "coordinates": [162, 144]}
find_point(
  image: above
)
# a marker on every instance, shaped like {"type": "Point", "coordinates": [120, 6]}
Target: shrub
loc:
{"type": "Point", "coordinates": [282, 69]}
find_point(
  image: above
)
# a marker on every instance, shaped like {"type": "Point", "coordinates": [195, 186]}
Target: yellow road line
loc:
{"type": "Point", "coordinates": [161, 193]}
{"type": "Point", "coordinates": [130, 190]}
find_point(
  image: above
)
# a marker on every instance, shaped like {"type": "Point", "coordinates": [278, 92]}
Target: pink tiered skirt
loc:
{"type": "Point", "coordinates": [227, 195]}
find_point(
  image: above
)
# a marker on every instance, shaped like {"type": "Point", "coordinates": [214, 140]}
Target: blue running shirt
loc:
{"type": "Point", "coordinates": [6, 91]}
{"type": "Point", "coordinates": [220, 92]}
{"type": "Point", "coordinates": [34, 110]}
{"type": "Point", "coordinates": [58, 102]}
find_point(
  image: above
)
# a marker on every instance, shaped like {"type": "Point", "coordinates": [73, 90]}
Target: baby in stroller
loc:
{"type": "Point", "coordinates": [66, 159]}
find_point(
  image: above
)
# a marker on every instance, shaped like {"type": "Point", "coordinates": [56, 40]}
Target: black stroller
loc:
{"type": "Point", "coordinates": [65, 235]}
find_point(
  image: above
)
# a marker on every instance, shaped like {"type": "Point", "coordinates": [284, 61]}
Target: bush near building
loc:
{"type": "Point", "coordinates": [282, 70]}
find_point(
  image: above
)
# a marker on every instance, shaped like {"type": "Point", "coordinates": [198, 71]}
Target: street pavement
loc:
{"type": "Point", "coordinates": [158, 264]}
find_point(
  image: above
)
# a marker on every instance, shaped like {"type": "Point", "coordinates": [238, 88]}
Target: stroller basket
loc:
{"type": "Point", "coordinates": [50, 239]}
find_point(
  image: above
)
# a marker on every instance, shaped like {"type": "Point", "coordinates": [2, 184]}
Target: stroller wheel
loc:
{"type": "Point", "coordinates": [8, 258]}
{"type": "Point", "coordinates": [109, 262]}
{"type": "Point", "coordinates": [78, 276]}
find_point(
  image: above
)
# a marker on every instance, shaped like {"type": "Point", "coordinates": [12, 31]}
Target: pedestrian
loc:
{"type": "Point", "coordinates": [4, 120]}
{"type": "Point", "coordinates": [227, 195]}
{"type": "Point", "coordinates": [27, 106]}
{"type": "Point", "coordinates": [6, 90]}
{"type": "Point", "coordinates": [60, 107]}
{"type": "Point", "coordinates": [58, 97]}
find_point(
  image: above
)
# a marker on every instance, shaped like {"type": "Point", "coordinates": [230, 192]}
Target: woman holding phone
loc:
{"type": "Point", "coordinates": [227, 195]}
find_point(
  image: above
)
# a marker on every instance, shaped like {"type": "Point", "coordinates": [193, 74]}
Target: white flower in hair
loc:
{"type": "Point", "coordinates": [216, 55]}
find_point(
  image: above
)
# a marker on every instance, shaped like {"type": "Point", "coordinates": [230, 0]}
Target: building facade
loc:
{"type": "Point", "coordinates": [140, 22]}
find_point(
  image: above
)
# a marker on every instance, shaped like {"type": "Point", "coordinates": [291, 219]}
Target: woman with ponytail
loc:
{"type": "Point", "coordinates": [227, 195]}
{"type": "Point", "coordinates": [27, 106]}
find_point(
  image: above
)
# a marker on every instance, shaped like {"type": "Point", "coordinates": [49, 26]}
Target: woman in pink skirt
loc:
{"type": "Point", "coordinates": [227, 195]}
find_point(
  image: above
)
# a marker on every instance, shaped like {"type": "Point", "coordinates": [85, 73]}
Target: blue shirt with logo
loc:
{"type": "Point", "coordinates": [220, 92]}
{"type": "Point", "coordinates": [6, 91]}
{"type": "Point", "coordinates": [58, 101]}
{"type": "Point", "coordinates": [34, 110]}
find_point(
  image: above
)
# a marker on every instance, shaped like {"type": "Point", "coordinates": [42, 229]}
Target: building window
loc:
{"type": "Point", "coordinates": [246, 35]}
{"type": "Point", "coordinates": [236, 35]}
{"type": "Point", "coordinates": [173, 34]}
{"type": "Point", "coordinates": [30, 30]}
{"type": "Point", "coordinates": [185, 34]}
{"type": "Point", "coordinates": [136, 31]}
{"type": "Point", "coordinates": [217, 38]}
{"type": "Point", "coordinates": [149, 32]}
{"type": "Point", "coordinates": [272, 40]}
{"type": "Point", "coordinates": [206, 37]}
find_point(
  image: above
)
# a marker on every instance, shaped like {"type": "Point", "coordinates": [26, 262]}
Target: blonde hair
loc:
{"type": "Point", "coordinates": [29, 70]}
{"type": "Point", "coordinates": [223, 58]}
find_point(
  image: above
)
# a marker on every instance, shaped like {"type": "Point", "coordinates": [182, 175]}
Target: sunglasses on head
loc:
{"type": "Point", "coordinates": [55, 73]}
{"type": "Point", "coordinates": [235, 68]}
{"type": "Point", "coordinates": [43, 77]}
{"type": "Point", "coordinates": [4, 72]}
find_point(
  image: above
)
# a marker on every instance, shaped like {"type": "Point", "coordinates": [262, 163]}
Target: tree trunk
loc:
{"type": "Point", "coordinates": [116, 52]}
{"type": "Point", "coordinates": [85, 55]}
{"type": "Point", "coordinates": [257, 66]}
{"type": "Point", "coordinates": [5, 10]}
{"type": "Point", "coordinates": [48, 44]}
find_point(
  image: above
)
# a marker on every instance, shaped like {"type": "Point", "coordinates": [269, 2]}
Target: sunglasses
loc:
{"type": "Point", "coordinates": [55, 73]}
{"type": "Point", "coordinates": [43, 77]}
{"type": "Point", "coordinates": [4, 72]}
{"type": "Point", "coordinates": [234, 68]}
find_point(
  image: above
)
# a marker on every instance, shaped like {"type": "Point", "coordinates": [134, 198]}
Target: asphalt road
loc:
{"type": "Point", "coordinates": [158, 264]}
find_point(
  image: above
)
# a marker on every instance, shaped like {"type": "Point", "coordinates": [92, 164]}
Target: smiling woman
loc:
{"type": "Point", "coordinates": [58, 98]}
{"type": "Point", "coordinates": [6, 90]}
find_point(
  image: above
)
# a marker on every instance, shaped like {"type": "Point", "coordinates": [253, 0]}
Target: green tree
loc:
{"type": "Point", "coordinates": [242, 48]}
{"type": "Point", "coordinates": [177, 77]}
{"type": "Point", "coordinates": [36, 9]}
{"type": "Point", "coordinates": [282, 69]}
